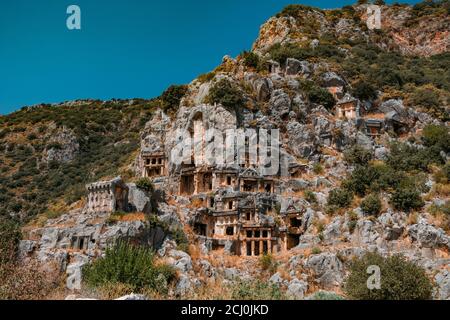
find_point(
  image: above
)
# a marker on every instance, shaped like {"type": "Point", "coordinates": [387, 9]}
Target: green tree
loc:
{"type": "Point", "coordinates": [227, 94]}
{"type": "Point", "coordinates": [407, 199]}
{"type": "Point", "coordinates": [171, 98]}
{"type": "Point", "coordinates": [371, 205]}
{"type": "Point", "coordinates": [340, 198]}
{"type": "Point", "coordinates": [400, 279]}
{"type": "Point", "coordinates": [251, 59]}
{"type": "Point", "coordinates": [358, 155]}
{"type": "Point", "coordinates": [128, 264]}
{"type": "Point", "coordinates": [321, 96]}
{"type": "Point", "coordinates": [364, 90]}
{"type": "Point", "coordinates": [10, 236]}
{"type": "Point", "coordinates": [145, 184]}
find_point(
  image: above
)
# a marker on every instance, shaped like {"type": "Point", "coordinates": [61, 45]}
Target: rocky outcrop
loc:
{"type": "Point", "coordinates": [428, 236]}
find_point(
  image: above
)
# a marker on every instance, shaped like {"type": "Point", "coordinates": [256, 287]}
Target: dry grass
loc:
{"type": "Point", "coordinates": [27, 281]}
{"type": "Point", "coordinates": [134, 217]}
{"type": "Point", "coordinates": [413, 218]}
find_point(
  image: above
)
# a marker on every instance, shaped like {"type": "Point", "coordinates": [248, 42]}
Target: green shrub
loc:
{"type": "Point", "coordinates": [256, 290]}
{"type": "Point", "coordinates": [407, 200]}
{"type": "Point", "coordinates": [400, 279]}
{"type": "Point", "coordinates": [437, 136]}
{"type": "Point", "coordinates": [251, 60]}
{"type": "Point", "coordinates": [318, 168]}
{"type": "Point", "coordinates": [10, 236]}
{"type": "Point", "coordinates": [358, 155]}
{"type": "Point", "coordinates": [371, 205]}
{"type": "Point", "coordinates": [172, 96]}
{"type": "Point", "coordinates": [206, 77]}
{"type": "Point", "coordinates": [321, 96]}
{"type": "Point", "coordinates": [352, 221]}
{"type": "Point", "coordinates": [310, 196]}
{"type": "Point", "coordinates": [227, 94]}
{"type": "Point", "coordinates": [364, 90]}
{"type": "Point", "coordinates": [179, 236]}
{"type": "Point", "coordinates": [267, 262]}
{"type": "Point", "coordinates": [340, 198]}
{"type": "Point", "coordinates": [145, 184]}
{"type": "Point", "coordinates": [294, 10]}
{"type": "Point", "coordinates": [127, 264]}
{"type": "Point", "coordinates": [327, 296]}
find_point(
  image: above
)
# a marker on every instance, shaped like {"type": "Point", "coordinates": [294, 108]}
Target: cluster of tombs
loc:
{"type": "Point", "coordinates": [247, 224]}
{"type": "Point", "coordinates": [237, 207]}
{"type": "Point", "coordinates": [347, 107]}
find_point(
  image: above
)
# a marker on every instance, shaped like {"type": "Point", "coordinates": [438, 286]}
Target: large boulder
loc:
{"type": "Point", "coordinates": [331, 79]}
{"type": "Point", "coordinates": [181, 261]}
{"type": "Point", "coordinates": [74, 275]}
{"type": "Point", "coordinates": [302, 139]}
{"type": "Point", "coordinates": [327, 268]}
{"type": "Point", "coordinates": [428, 236]}
{"type": "Point", "coordinates": [297, 289]}
{"type": "Point", "coordinates": [295, 67]}
{"type": "Point", "coordinates": [138, 200]}
{"type": "Point", "coordinates": [280, 104]}
{"type": "Point", "coordinates": [442, 281]}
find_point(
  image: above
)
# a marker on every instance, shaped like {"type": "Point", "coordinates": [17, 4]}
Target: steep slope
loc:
{"type": "Point", "coordinates": [50, 152]}
{"type": "Point", "coordinates": [363, 119]}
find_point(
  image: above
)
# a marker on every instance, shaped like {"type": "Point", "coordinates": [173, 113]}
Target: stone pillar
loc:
{"type": "Point", "coordinates": [253, 248]}
{"type": "Point", "coordinates": [196, 183]}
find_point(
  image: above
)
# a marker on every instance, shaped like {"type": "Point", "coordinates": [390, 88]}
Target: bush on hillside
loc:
{"type": "Point", "coordinates": [227, 94]}
{"type": "Point", "coordinates": [171, 98]}
{"type": "Point", "coordinates": [400, 279]}
{"type": "Point", "coordinates": [340, 198]}
{"type": "Point", "coordinates": [10, 236]}
{"type": "Point", "coordinates": [358, 155]}
{"type": "Point", "coordinates": [371, 205]}
{"type": "Point", "coordinates": [145, 184]}
{"type": "Point", "coordinates": [321, 96]}
{"type": "Point", "coordinates": [125, 263]}
{"type": "Point", "coordinates": [407, 199]}
{"type": "Point", "coordinates": [256, 290]}
{"type": "Point", "coordinates": [251, 59]}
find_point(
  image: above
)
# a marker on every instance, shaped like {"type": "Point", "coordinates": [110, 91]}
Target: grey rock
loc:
{"type": "Point", "coordinates": [232, 274]}
{"type": "Point", "coordinates": [442, 281]}
{"type": "Point", "coordinates": [183, 261]}
{"type": "Point", "coordinates": [428, 236]}
{"type": "Point", "coordinates": [295, 67]}
{"type": "Point", "coordinates": [276, 279]}
{"type": "Point", "coordinates": [67, 146]}
{"type": "Point", "coordinates": [297, 289]}
{"type": "Point", "coordinates": [328, 269]}
{"type": "Point", "coordinates": [207, 269]}
{"type": "Point", "coordinates": [133, 297]}
{"type": "Point", "coordinates": [381, 153]}
{"type": "Point", "coordinates": [74, 276]}
{"type": "Point", "coordinates": [333, 232]}
{"type": "Point", "coordinates": [138, 199]}
{"type": "Point", "coordinates": [331, 79]}
{"type": "Point", "coordinates": [184, 286]}
{"type": "Point", "coordinates": [26, 247]}
{"type": "Point", "coordinates": [280, 104]}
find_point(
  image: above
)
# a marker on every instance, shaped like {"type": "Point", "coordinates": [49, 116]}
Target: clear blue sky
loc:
{"type": "Point", "coordinates": [126, 48]}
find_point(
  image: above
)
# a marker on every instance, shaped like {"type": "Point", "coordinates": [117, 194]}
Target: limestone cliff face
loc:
{"type": "Point", "coordinates": [423, 36]}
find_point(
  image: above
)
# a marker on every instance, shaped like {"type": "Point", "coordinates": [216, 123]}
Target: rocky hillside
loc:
{"type": "Point", "coordinates": [363, 117]}
{"type": "Point", "coordinates": [49, 152]}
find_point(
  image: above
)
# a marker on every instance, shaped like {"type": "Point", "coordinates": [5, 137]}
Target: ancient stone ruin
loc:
{"type": "Point", "coordinates": [107, 196]}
